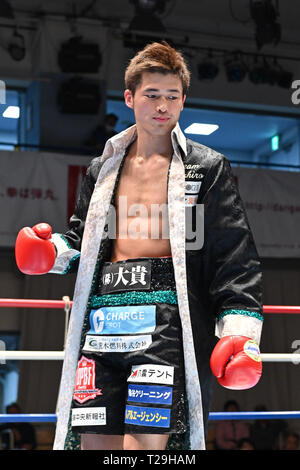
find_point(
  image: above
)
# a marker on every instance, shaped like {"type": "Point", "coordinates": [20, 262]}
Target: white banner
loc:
{"type": "Point", "coordinates": [43, 187]}
{"type": "Point", "coordinates": [37, 187]}
{"type": "Point", "coordinates": [272, 202]}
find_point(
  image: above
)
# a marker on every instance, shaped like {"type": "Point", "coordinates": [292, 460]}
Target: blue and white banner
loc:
{"type": "Point", "coordinates": [150, 394]}
{"type": "Point", "coordinates": [144, 416]}
{"type": "Point", "coordinates": [123, 320]}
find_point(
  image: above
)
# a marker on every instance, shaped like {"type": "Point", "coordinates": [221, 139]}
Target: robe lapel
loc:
{"type": "Point", "coordinates": [94, 228]}
{"type": "Point", "coordinates": [176, 210]}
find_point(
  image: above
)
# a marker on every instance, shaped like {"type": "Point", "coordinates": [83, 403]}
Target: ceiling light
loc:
{"type": "Point", "coordinates": [207, 69]}
{"type": "Point", "coordinates": [201, 128]}
{"type": "Point", "coordinates": [12, 112]}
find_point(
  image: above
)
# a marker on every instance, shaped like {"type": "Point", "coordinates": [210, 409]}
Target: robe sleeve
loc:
{"type": "Point", "coordinates": [232, 270]}
{"type": "Point", "coordinates": [68, 245]}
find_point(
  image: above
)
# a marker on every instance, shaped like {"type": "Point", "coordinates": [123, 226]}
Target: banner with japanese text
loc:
{"type": "Point", "coordinates": [37, 187]}
{"type": "Point", "coordinates": [43, 187]}
{"type": "Point", "coordinates": [272, 202]}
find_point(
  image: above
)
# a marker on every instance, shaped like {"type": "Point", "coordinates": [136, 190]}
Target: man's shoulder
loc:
{"type": "Point", "coordinates": [206, 156]}
{"type": "Point", "coordinates": [196, 148]}
{"type": "Point", "coordinates": [94, 167]}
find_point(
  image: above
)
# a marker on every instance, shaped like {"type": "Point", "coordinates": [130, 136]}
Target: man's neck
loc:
{"type": "Point", "coordinates": [147, 145]}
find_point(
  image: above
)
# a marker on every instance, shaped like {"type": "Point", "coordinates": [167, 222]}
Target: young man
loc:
{"type": "Point", "coordinates": [148, 297]}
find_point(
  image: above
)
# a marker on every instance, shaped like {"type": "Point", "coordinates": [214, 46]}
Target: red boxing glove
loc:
{"type": "Point", "coordinates": [236, 362]}
{"type": "Point", "coordinates": [35, 253]}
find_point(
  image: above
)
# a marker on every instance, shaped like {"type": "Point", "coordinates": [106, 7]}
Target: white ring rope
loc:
{"type": "Point", "coordinates": [32, 355]}
{"type": "Point", "coordinates": [59, 356]}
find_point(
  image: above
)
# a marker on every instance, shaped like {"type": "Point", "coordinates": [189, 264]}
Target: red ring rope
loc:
{"type": "Point", "coordinates": [39, 303]}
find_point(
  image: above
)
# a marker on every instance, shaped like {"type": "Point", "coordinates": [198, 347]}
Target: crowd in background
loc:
{"type": "Point", "coordinates": [261, 434]}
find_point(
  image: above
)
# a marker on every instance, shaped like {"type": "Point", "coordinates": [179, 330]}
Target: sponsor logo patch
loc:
{"type": "Point", "coordinates": [152, 373]}
{"type": "Point", "coordinates": [143, 416]}
{"type": "Point", "coordinates": [94, 416]}
{"type": "Point", "coordinates": [252, 350]}
{"type": "Point", "coordinates": [190, 200]}
{"type": "Point", "coordinates": [118, 344]}
{"type": "Point", "coordinates": [192, 187]}
{"type": "Point", "coordinates": [85, 381]}
{"type": "Point", "coordinates": [123, 320]}
{"type": "Point", "coordinates": [129, 276]}
{"type": "Point", "coordinates": [150, 394]}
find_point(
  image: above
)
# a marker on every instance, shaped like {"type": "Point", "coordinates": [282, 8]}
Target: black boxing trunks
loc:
{"type": "Point", "coordinates": [130, 373]}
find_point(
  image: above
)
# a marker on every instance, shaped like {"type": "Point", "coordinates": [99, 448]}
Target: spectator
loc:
{"type": "Point", "coordinates": [245, 444]}
{"type": "Point", "coordinates": [102, 133]}
{"type": "Point", "coordinates": [24, 433]}
{"type": "Point", "coordinates": [229, 433]}
{"type": "Point", "coordinates": [265, 432]}
{"type": "Point", "coordinates": [291, 441]}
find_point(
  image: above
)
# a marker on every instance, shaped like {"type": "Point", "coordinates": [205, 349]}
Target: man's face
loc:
{"type": "Point", "coordinates": [157, 103]}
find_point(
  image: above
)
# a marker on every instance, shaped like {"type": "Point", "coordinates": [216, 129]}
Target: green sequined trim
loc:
{"type": "Point", "coordinates": [71, 263]}
{"type": "Point", "coordinates": [133, 297]}
{"type": "Point", "coordinates": [247, 313]}
{"type": "Point", "coordinates": [65, 241]}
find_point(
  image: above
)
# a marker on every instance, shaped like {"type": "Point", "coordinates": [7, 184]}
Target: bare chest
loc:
{"type": "Point", "coordinates": [144, 182]}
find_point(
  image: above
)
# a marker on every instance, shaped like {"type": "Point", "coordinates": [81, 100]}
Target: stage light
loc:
{"type": "Point", "coordinates": [145, 18]}
{"type": "Point", "coordinates": [207, 69]}
{"type": "Point", "coordinates": [263, 73]}
{"type": "Point", "coordinates": [264, 14]}
{"type": "Point", "coordinates": [271, 74]}
{"type": "Point", "coordinates": [257, 75]}
{"type": "Point", "coordinates": [235, 69]}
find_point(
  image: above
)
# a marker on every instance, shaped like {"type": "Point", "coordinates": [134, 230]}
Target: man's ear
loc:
{"type": "Point", "coordinates": [183, 100]}
{"type": "Point", "coordinates": [128, 96]}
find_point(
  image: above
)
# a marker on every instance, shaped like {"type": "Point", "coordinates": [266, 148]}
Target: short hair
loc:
{"type": "Point", "coordinates": [157, 57]}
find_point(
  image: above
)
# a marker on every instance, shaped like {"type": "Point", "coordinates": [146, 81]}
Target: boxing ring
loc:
{"type": "Point", "coordinates": [66, 305]}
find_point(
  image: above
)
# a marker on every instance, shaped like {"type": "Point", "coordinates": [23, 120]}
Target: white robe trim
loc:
{"type": "Point", "coordinates": [240, 325]}
{"type": "Point", "coordinates": [65, 254]}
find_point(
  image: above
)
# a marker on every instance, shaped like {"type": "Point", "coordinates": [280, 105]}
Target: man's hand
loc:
{"type": "Point", "coordinates": [35, 253]}
{"type": "Point", "coordinates": [236, 362]}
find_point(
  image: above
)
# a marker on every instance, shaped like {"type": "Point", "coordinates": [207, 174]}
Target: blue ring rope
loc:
{"type": "Point", "coordinates": [213, 416]}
